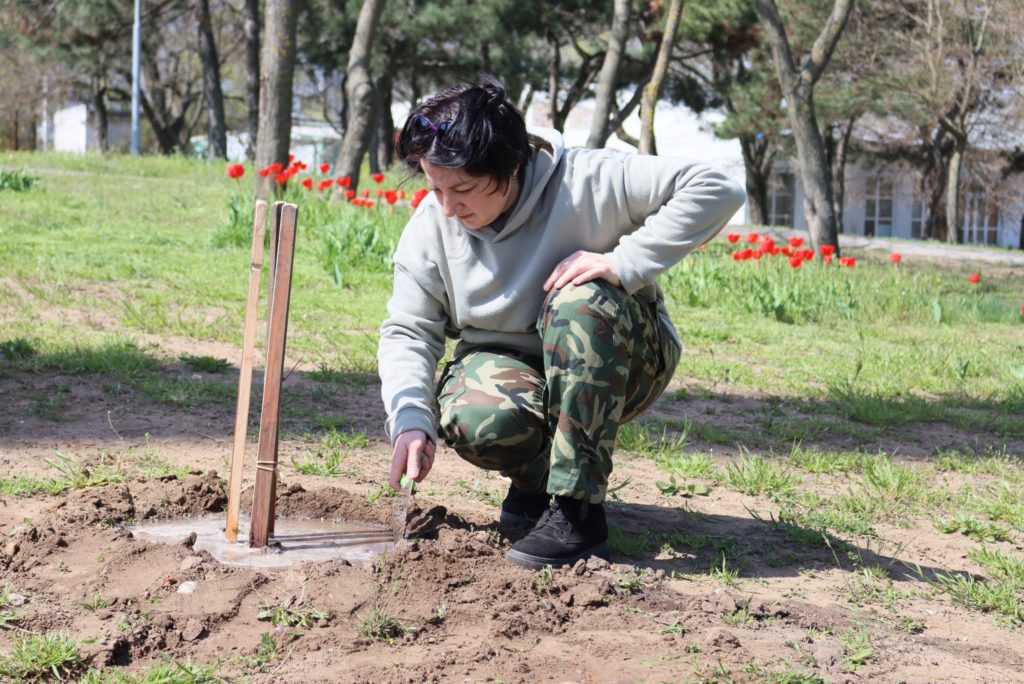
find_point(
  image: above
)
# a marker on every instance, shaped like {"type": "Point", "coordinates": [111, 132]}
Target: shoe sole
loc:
{"type": "Point", "coordinates": [517, 520]}
{"type": "Point", "coordinates": [526, 560]}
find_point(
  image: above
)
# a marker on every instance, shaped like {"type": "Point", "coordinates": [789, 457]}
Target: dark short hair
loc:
{"type": "Point", "coordinates": [469, 126]}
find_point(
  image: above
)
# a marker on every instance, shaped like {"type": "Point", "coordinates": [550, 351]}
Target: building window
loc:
{"type": "Point", "coordinates": [780, 199]}
{"type": "Point", "coordinates": [981, 220]}
{"type": "Point", "coordinates": [878, 206]}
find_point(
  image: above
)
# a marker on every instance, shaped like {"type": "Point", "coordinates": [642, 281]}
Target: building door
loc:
{"type": "Point", "coordinates": [981, 220]}
{"type": "Point", "coordinates": [780, 198]}
{"type": "Point", "coordinates": [878, 206]}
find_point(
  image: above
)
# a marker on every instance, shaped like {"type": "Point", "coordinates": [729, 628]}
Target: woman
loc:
{"type": "Point", "coordinates": [541, 261]}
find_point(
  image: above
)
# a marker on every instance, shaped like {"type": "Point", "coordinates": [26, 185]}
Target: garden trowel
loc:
{"type": "Point", "coordinates": [400, 510]}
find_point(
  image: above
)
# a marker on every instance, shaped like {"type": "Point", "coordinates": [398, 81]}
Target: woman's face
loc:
{"type": "Point", "coordinates": [474, 200]}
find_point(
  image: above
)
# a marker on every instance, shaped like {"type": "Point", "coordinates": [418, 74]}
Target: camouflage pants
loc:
{"type": "Point", "coordinates": [550, 423]}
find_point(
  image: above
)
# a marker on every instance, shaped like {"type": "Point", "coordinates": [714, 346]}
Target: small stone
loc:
{"type": "Point", "coordinates": [588, 596]}
{"type": "Point", "coordinates": [11, 547]}
{"type": "Point", "coordinates": [189, 541]}
{"type": "Point", "coordinates": [193, 631]}
{"type": "Point", "coordinates": [190, 563]}
{"type": "Point", "coordinates": [187, 587]}
{"type": "Point", "coordinates": [659, 574]}
{"type": "Point", "coordinates": [580, 568]}
{"type": "Point", "coordinates": [17, 599]}
{"type": "Point", "coordinates": [596, 563]}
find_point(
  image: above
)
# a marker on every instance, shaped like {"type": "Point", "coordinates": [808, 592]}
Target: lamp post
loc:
{"type": "Point", "coordinates": [136, 149]}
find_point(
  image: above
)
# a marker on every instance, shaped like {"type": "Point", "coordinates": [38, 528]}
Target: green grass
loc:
{"type": "Point", "coordinates": [758, 476]}
{"type": "Point", "coordinates": [168, 672]}
{"type": "Point", "coordinates": [72, 474]}
{"type": "Point", "coordinates": [36, 657]}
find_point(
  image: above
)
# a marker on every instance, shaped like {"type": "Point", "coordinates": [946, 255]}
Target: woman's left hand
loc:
{"type": "Point", "coordinates": [581, 267]}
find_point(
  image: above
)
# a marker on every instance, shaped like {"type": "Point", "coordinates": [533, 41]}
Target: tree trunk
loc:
{"type": "Point", "coordinates": [359, 92]}
{"type": "Point", "coordinates": [554, 67]}
{"type": "Point", "coordinates": [277, 70]}
{"type": "Point", "coordinates": [385, 148]}
{"type": "Point", "coordinates": [758, 154]}
{"type": "Point", "coordinates": [100, 118]}
{"type": "Point", "coordinates": [797, 79]}
{"type": "Point", "coordinates": [953, 209]}
{"type": "Point", "coordinates": [653, 88]}
{"type": "Point", "coordinates": [838, 153]}
{"type": "Point", "coordinates": [216, 127]}
{"type": "Point", "coordinates": [607, 82]}
{"type": "Point", "coordinates": [251, 28]}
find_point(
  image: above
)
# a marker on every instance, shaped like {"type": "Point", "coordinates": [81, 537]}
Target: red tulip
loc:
{"type": "Point", "coordinates": [773, 250]}
{"type": "Point", "coordinates": [307, 183]}
{"type": "Point", "coordinates": [265, 171]}
{"type": "Point", "coordinates": [379, 192]}
{"type": "Point", "coordinates": [280, 178]}
{"type": "Point", "coordinates": [365, 192]}
{"type": "Point", "coordinates": [401, 194]}
{"type": "Point", "coordinates": [391, 196]}
{"type": "Point", "coordinates": [291, 157]}
{"type": "Point", "coordinates": [827, 258]}
{"type": "Point", "coordinates": [974, 278]}
{"type": "Point", "coordinates": [1022, 309]}
{"type": "Point", "coordinates": [350, 193]}
{"type": "Point", "coordinates": [344, 181]}
{"type": "Point", "coordinates": [275, 168]}
{"type": "Point", "coordinates": [851, 261]}
{"type": "Point", "coordinates": [796, 241]}
{"type": "Point", "coordinates": [828, 250]}
{"type": "Point", "coordinates": [378, 178]}
{"type": "Point", "coordinates": [795, 261]}
{"type": "Point", "coordinates": [236, 170]}
{"type": "Point", "coordinates": [752, 237]}
{"type": "Point", "coordinates": [735, 256]}
{"type": "Point", "coordinates": [895, 257]}
{"type": "Point", "coordinates": [324, 184]}
{"type": "Point", "coordinates": [787, 250]}
{"type": "Point", "coordinates": [733, 237]}
{"type": "Point", "coordinates": [325, 167]}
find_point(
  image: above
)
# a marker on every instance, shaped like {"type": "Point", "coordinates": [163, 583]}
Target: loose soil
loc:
{"type": "Point", "coordinates": [460, 612]}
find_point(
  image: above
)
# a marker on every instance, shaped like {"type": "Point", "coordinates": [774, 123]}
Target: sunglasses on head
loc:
{"type": "Point", "coordinates": [440, 128]}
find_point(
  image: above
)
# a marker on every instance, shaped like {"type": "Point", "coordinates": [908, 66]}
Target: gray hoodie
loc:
{"type": "Point", "coordinates": [485, 287]}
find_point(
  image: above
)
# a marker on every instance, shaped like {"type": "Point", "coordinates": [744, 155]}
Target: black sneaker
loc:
{"type": "Point", "coordinates": [570, 530]}
{"type": "Point", "coordinates": [520, 509]}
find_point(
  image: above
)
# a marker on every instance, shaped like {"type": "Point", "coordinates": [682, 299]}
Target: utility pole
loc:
{"type": "Point", "coordinates": [136, 50]}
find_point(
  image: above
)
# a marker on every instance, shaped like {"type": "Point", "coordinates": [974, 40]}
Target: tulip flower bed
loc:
{"type": "Point", "coordinates": [831, 489]}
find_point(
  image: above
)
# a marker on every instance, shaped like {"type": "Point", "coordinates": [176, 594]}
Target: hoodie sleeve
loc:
{"type": "Point", "coordinates": [412, 341]}
{"type": "Point", "coordinates": [677, 204]}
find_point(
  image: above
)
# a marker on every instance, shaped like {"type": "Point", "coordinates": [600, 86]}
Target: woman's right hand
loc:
{"type": "Point", "coordinates": [413, 455]}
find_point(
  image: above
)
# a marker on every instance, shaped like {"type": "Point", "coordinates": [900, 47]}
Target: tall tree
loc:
{"type": "Point", "coordinates": [608, 81]}
{"type": "Point", "coordinates": [797, 78]}
{"type": "Point", "coordinates": [251, 31]}
{"type": "Point", "coordinates": [212, 94]}
{"type": "Point", "coordinates": [277, 72]}
{"type": "Point", "coordinates": [359, 92]}
{"type": "Point", "coordinates": [653, 88]}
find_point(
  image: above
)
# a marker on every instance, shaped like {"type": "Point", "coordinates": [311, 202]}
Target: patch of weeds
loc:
{"type": "Point", "coordinates": [1003, 502]}
{"type": "Point", "coordinates": [479, 491]}
{"type": "Point", "coordinates": [1002, 598]}
{"type": "Point", "coordinates": [77, 476]}
{"type": "Point", "coordinates": [724, 574]}
{"type": "Point", "coordinates": [186, 393]}
{"type": "Point", "coordinates": [846, 513]}
{"type": "Point", "coordinates": [378, 624]}
{"type": "Point", "coordinates": [17, 349]}
{"type": "Point", "coordinates": [95, 602]}
{"type": "Point", "coordinates": [764, 675]}
{"type": "Point", "coordinates": [170, 671]}
{"type": "Point", "coordinates": [979, 530]}
{"type": "Point", "coordinates": [36, 657]}
{"type": "Point", "coordinates": [265, 656]}
{"type": "Point", "coordinates": [892, 483]}
{"type": "Point", "coordinates": [8, 616]}
{"type": "Point", "coordinates": [741, 617]}
{"type": "Point", "coordinates": [714, 434]}
{"type": "Point", "coordinates": [688, 465]}
{"type": "Point", "coordinates": [52, 406]}
{"type": "Point", "coordinates": [675, 628]}
{"type": "Point", "coordinates": [292, 613]}
{"type": "Point", "coordinates": [205, 364]}
{"type": "Point", "coordinates": [153, 466]}
{"type": "Point", "coordinates": [626, 544]}
{"type": "Point", "coordinates": [542, 582]}
{"type": "Point", "coordinates": [644, 439]}
{"type": "Point", "coordinates": [319, 463]}
{"type": "Point", "coordinates": [28, 485]}
{"type": "Point", "coordinates": [683, 489]}
{"type": "Point", "coordinates": [631, 582]}
{"type": "Point", "coordinates": [689, 540]}
{"type": "Point", "coordinates": [998, 564]}
{"type": "Point", "coordinates": [757, 476]}
{"type": "Point", "coordinates": [818, 462]}
{"type": "Point", "coordinates": [794, 532]}
{"type": "Point", "coordinates": [873, 584]}
{"type": "Point", "coordinates": [345, 439]}
{"type": "Point", "coordinates": [857, 649]}
{"type": "Point", "coordinates": [385, 490]}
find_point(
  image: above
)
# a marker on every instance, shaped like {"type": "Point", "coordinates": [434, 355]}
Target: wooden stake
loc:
{"type": "Point", "coordinates": [259, 225]}
{"type": "Point", "coordinates": [275, 240]}
{"type": "Point", "coordinates": [266, 462]}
